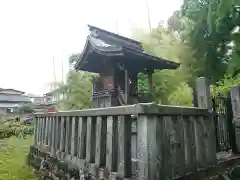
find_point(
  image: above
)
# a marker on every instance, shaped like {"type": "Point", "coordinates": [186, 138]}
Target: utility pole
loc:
{"type": "Point", "coordinates": [148, 14]}
{"type": "Point", "coordinates": [62, 72]}
{"type": "Point", "coordinates": [54, 73]}
{"type": "Point", "coordinates": [116, 26]}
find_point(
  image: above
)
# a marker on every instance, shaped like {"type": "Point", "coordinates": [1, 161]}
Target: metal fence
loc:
{"type": "Point", "coordinates": [222, 111]}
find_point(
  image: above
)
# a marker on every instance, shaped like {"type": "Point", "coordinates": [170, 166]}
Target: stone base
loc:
{"type": "Point", "coordinates": [52, 168]}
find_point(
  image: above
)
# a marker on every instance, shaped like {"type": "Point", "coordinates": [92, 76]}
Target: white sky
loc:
{"type": "Point", "coordinates": [33, 31]}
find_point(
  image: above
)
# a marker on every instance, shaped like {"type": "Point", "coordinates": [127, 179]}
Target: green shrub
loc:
{"type": "Point", "coordinates": [14, 128]}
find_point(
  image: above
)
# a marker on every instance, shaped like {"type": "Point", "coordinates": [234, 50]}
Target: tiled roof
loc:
{"type": "Point", "coordinates": [14, 98]}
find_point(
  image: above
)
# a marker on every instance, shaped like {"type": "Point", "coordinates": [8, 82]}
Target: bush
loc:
{"type": "Point", "coordinates": [14, 128]}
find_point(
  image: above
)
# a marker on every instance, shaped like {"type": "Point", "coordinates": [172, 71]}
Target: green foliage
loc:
{"type": "Point", "coordinates": [77, 89]}
{"type": "Point", "coordinates": [13, 153]}
{"type": "Point", "coordinates": [14, 128]}
{"type": "Point", "coordinates": [142, 83]}
{"type": "Point", "coordinates": [182, 95]}
{"type": "Point", "coordinates": [208, 29]}
{"type": "Point", "coordinates": [166, 44]}
{"type": "Point", "coordinates": [224, 85]}
{"type": "Point", "coordinates": [27, 108]}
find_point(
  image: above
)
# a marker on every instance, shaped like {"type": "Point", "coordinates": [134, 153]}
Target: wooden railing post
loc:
{"type": "Point", "coordinates": [149, 139]}
{"type": "Point", "coordinates": [203, 93]}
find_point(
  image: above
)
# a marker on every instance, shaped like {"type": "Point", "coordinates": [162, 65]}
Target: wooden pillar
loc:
{"type": "Point", "coordinates": [235, 99]}
{"type": "Point", "coordinates": [203, 93]}
{"type": "Point", "coordinates": [126, 86]}
{"type": "Point", "coordinates": [149, 139]}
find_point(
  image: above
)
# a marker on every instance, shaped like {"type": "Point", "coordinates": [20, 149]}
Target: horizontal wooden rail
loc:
{"type": "Point", "coordinates": [143, 140]}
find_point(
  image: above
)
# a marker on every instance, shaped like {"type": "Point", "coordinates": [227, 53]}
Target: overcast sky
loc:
{"type": "Point", "coordinates": [33, 31]}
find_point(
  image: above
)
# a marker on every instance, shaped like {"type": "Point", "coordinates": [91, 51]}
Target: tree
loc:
{"type": "Point", "coordinates": [208, 29]}
{"type": "Point", "coordinates": [77, 89]}
{"type": "Point", "coordinates": [166, 43]}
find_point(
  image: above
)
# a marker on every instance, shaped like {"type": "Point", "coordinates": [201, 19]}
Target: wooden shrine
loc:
{"type": "Point", "coordinates": [118, 61]}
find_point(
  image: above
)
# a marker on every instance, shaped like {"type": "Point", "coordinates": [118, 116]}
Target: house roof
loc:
{"type": "Point", "coordinates": [51, 92]}
{"type": "Point", "coordinates": [102, 46]}
{"type": "Point", "coordinates": [9, 89]}
{"type": "Point", "coordinates": [13, 98]}
{"type": "Point", "coordinates": [7, 105]}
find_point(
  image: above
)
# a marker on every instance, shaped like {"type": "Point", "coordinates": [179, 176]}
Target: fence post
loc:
{"type": "Point", "coordinates": [203, 93]}
{"type": "Point", "coordinates": [235, 100]}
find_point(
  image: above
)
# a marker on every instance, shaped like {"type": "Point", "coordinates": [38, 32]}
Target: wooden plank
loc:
{"type": "Point", "coordinates": [45, 131]}
{"type": "Point", "coordinates": [189, 144]}
{"type": "Point", "coordinates": [177, 160]}
{"type": "Point", "coordinates": [49, 131]}
{"type": "Point", "coordinates": [80, 122]}
{"type": "Point", "coordinates": [82, 137]}
{"type": "Point", "coordinates": [124, 146]}
{"type": "Point", "coordinates": [200, 145]}
{"type": "Point", "coordinates": [149, 138]}
{"type": "Point", "coordinates": [35, 131]}
{"type": "Point", "coordinates": [145, 108]}
{"type": "Point", "coordinates": [112, 142]}
{"type": "Point", "coordinates": [209, 143]}
{"type": "Point", "coordinates": [53, 125]}
{"type": "Point", "coordinates": [41, 130]}
{"type": "Point", "coordinates": [73, 143]}
{"type": "Point", "coordinates": [38, 128]}
{"type": "Point", "coordinates": [91, 139]}
{"type": "Point", "coordinates": [67, 138]}
{"type": "Point", "coordinates": [180, 154]}
{"type": "Point", "coordinates": [62, 135]}
{"type": "Point", "coordinates": [101, 133]}
{"type": "Point", "coordinates": [57, 133]}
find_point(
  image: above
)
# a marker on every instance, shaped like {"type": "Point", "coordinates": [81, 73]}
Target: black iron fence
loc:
{"type": "Point", "coordinates": [222, 110]}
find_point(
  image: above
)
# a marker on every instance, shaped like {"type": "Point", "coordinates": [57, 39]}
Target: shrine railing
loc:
{"type": "Point", "coordinates": [159, 141]}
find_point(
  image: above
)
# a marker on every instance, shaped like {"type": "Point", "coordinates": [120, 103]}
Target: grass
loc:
{"type": "Point", "coordinates": [13, 154]}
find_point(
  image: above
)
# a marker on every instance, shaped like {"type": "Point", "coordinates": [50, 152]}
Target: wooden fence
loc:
{"type": "Point", "coordinates": [144, 140]}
